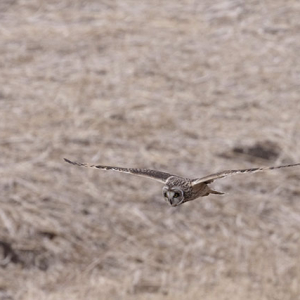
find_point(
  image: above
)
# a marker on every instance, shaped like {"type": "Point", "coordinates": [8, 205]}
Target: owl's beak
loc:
{"type": "Point", "coordinates": [171, 199]}
{"type": "Point", "coordinates": [170, 194]}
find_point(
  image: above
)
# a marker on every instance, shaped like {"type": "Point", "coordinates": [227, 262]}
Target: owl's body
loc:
{"type": "Point", "coordinates": [178, 190]}
{"type": "Point", "coordinates": [188, 190]}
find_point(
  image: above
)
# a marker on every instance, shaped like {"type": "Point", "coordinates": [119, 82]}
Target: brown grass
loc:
{"type": "Point", "coordinates": [191, 87]}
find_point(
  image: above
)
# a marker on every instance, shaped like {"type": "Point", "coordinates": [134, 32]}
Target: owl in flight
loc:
{"type": "Point", "coordinates": [177, 189]}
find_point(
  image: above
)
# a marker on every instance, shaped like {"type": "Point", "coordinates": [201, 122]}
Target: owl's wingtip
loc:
{"type": "Point", "coordinates": [68, 161]}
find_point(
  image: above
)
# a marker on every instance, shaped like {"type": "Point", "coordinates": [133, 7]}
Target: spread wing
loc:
{"type": "Point", "coordinates": [212, 177]}
{"type": "Point", "coordinates": [157, 175]}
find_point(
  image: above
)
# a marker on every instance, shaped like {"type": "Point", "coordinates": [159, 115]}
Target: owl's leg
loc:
{"type": "Point", "coordinates": [214, 192]}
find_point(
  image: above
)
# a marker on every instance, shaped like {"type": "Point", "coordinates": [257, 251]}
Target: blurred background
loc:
{"type": "Point", "coordinates": [190, 87]}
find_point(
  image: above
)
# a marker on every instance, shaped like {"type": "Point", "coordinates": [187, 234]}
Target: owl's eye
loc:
{"type": "Point", "coordinates": [165, 194]}
{"type": "Point", "coordinates": [176, 195]}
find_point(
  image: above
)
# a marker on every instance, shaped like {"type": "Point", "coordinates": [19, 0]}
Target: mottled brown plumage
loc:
{"type": "Point", "coordinates": [177, 189]}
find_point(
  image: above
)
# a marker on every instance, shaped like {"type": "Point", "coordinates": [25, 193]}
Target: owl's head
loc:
{"type": "Point", "coordinates": [174, 195]}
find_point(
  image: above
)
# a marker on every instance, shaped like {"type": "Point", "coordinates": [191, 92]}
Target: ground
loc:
{"type": "Point", "coordinates": [189, 87]}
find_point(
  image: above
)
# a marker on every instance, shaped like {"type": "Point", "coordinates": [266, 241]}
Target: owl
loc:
{"type": "Point", "coordinates": [178, 190]}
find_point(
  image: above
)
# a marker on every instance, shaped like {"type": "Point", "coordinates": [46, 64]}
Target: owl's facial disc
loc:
{"type": "Point", "coordinates": [173, 195]}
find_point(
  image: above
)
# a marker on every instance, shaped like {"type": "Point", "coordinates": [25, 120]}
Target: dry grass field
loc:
{"type": "Point", "coordinates": [191, 87]}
